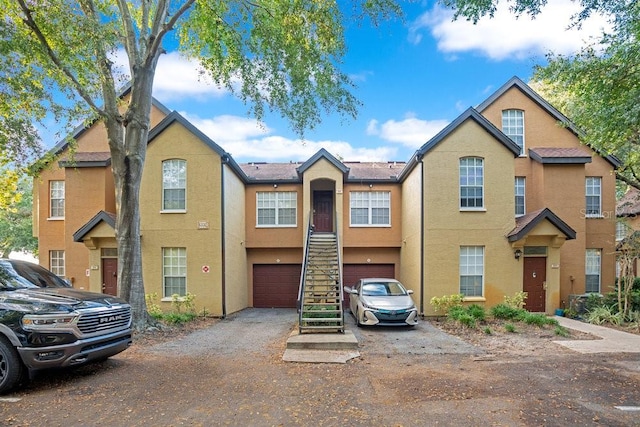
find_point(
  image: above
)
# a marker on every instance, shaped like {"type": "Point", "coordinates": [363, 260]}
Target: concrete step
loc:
{"type": "Point", "coordinates": [322, 341]}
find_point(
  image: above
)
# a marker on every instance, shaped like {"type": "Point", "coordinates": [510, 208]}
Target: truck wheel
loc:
{"type": "Point", "coordinates": [10, 366]}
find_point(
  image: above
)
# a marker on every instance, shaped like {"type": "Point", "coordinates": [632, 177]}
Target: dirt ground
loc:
{"type": "Point", "coordinates": [218, 372]}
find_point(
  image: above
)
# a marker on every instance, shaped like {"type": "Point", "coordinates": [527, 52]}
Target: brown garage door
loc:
{"type": "Point", "coordinates": [276, 285]}
{"type": "Point", "coordinates": [351, 273]}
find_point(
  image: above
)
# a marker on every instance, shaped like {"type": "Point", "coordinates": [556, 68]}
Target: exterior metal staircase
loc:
{"type": "Point", "coordinates": [320, 294]}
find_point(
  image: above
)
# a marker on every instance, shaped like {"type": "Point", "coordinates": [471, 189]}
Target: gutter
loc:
{"type": "Point", "coordinates": [422, 210]}
{"type": "Point", "coordinates": [223, 161]}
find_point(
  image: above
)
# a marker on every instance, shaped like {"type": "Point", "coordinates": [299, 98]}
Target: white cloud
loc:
{"type": "Point", "coordinates": [247, 140]}
{"type": "Point", "coordinates": [505, 36]}
{"type": "Point", "coordinates": [410, 132]}
{"type": "Point", "coordinates": [176, 78]}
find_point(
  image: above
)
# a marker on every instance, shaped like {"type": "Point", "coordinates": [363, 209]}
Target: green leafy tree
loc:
{"type": "Point", "coordinates": [598, 87]}
{"type": "Point", "coordinates": [16, 219]}
{"type": "Point", "coordinates": [56, 59]}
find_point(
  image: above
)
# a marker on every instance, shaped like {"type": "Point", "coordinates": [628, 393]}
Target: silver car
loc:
{"type": "Point", "coordinates": [382, 302]}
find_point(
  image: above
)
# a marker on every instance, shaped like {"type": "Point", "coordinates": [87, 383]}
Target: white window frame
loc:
{"type": "Point", "coordinates": [513, 127]}
{"type": "Point", "coordinates": [592, 267]}
{"type": "Point", "coordinates": [471, 265]}
{"type": "Point", "coordinates": [277, 202]}
{"type": "Point", "coordinates": [622, 229]}
{"type": "Point", "coordinates": [56, 199]}
{"type": "Point", "coordinates": [471, 182]}
{"type": "Point", "coordinates": [593, 192]}
{"type": "Point", "coordinates": [520, 194]}
{"type": "Point", "coordinates": [372, 202]}
{"type": "Point", "coordinates": [174, 180]}
{"type": "Point", "coordinates": [56, 262]}
{"type": "Point", "coordinates": [174, 267]}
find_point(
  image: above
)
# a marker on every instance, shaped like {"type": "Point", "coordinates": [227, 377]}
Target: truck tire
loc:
{"type": "Point", "coordinates": [11, 367]}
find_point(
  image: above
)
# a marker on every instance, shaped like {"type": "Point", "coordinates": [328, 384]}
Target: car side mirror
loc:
{"type": "Point", "coordinates": [348, 289]}
{"type": "Point", "coordinates": [409, 291]}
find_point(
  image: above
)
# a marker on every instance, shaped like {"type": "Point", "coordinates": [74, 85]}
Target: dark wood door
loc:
{"type": "Point", "coordinates": [276, 285]}
{"type": "Point", "coordinates": [535, 276]}
{"type": "Point", "coordinates": [110, 276]}
{"type": "Point", "coordinates": [323, 211]}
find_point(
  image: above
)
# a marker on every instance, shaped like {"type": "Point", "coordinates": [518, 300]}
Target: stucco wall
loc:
{"type": "Point", "coordinates": [198, 229]}
{"type": "Point", "coordinates": [236, 280]}
{"type": "Point", "coordinates": [410, 252]}
{"type": "Point", "coordinates": [447, 227]}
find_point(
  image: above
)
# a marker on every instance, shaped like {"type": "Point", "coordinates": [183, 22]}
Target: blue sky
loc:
{"type": "Point", "coordinates": [412, 78]}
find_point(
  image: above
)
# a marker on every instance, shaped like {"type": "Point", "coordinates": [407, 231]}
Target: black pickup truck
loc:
{"type": "Point", "coordinates": [45, 323]}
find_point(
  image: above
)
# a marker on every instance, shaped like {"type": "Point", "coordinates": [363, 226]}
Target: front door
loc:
{"type": "Point", "coordinates": [110, 276]}
{"type": "Point", "coordinates": [534, 283]}
{"type": "Point", "coordinates": [323, 211]}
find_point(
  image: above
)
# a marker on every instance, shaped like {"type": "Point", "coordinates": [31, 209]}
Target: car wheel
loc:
{"type": "Point", "coordinates": [11, 367]}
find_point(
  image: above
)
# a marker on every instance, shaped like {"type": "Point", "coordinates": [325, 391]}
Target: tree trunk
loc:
{"type": "Point", "coordinates": [127, 164]}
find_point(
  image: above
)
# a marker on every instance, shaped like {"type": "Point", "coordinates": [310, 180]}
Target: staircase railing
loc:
{"type": "Point", "coordinates": [303, 273]}
{"type": "Point", "coordinates": [339, 249]}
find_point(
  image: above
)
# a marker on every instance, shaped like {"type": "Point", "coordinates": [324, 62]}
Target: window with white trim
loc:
{"type": "Point", "coordinates": [622, 229]}
{"type": "Point", "coordinates": [174, 185]}
{"type": "Point", "coordinates": [513, 127]}
{"type": "Point", "coordinates": [56, 262]}
{"type": "Point", "coordinates": [277, 208]}
{"type": "Point", "coordinates": [592, 270]}
{"type": "Point", "coordinates": [519, 191]}
{"type": "Point", "coordinates": [56, 199]}
{"type": "Point", "coordinates": [471, 183]}
{"type": "Point", "coordinates": [174, 272]}
{"type": "Point", "coordinates": [370, 208]}
{"type": "Point", "coordinates": [472, 271]}
{"type": "Point", "coordinates": [593, 192]}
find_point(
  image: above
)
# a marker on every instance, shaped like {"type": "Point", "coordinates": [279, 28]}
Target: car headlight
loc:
{"type": "Point", "coordinates": [34, 321]}
{"type": "Point", "coordinates": [370, 307]}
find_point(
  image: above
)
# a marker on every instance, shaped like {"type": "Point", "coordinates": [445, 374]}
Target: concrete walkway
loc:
{"type": "Point", "coordinates": [610, 340]}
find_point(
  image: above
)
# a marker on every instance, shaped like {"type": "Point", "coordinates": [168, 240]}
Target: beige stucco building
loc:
{"type": "Point", "coordinates": [504, 199]}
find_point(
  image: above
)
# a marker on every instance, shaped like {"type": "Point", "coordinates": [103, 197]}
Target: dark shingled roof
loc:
{"type": "Point", "coordinates": [86, 159]}
{"type": "Point", "coordinates": [525, 223]}
{"type": "Point", "coordinates": [358, 171]}
{"type": "Point", "coordinates": [629, 205]}
{"type": "Point", "coordinates": [559, 155]}
{"type": "Point", "coordinates": [107, 217]}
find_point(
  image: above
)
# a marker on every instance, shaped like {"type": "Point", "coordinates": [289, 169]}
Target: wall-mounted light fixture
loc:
{"type": "Point", "coordinates": [275, 185]}
{"type": "Point", "coordinates": [370, 185]}
{"type": "Point", "coordinates": [517, 254]}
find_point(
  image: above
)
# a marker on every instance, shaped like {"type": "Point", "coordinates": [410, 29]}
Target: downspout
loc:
{"type": "Point", "coordinates": [223, 161]}
{"type": "Point", "coordinates": [422, 242]}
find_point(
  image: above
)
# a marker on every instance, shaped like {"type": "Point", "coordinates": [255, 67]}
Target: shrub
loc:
{"type": "Point", "coordinates": [601, 315]}
{"type": "Point", "coordinates": [182, 309]}
{"type": "Point", "coordinates": [561, 331]}
{"type": "Point", "coordinates": [509, 327]}
{"type": "Point", "coordinates": [516, 301]}
{"type": "Point", "coordinates": [477, 312]}
{"type": "Point", "coordinates": [445, 303]}
{"type": "Point", "coordinates": [535, 319]}
{"type": "Point", "coordinates": [504, 311]}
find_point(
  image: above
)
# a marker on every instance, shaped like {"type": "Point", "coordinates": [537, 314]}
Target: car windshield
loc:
{"type": "Point", "coordinates": [19, 275]}
{"type": "Point", "coordinates": [383, 289]}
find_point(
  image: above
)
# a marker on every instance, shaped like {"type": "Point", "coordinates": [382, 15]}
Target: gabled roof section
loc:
{"type": "Point", "coordinates": [470, 114]}
{"type": "Point", "coordinates": [323, 154]}
{"type": "Point", "coordinates": [102, 216]}
{"type": "Point", "coordinates": [550, 109]}
{"type": "Point", "coordinates": [83, 127]}
{"type": "Point", "coordinates": [559, 156]}
{"type": "Point", "coordinates": [175, 117]}
{"type": "Point", "coordinates": [527, 222]}
{"type": "Point", "coordinates": [86, 160]}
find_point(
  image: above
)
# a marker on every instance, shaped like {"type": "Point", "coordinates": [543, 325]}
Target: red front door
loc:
{"type": "Point", "coordinates": [323, 211]}
{"type": "Point", "coordinates": [535, 276]}
{"type": "Point", "coordinates": [110, 276]}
